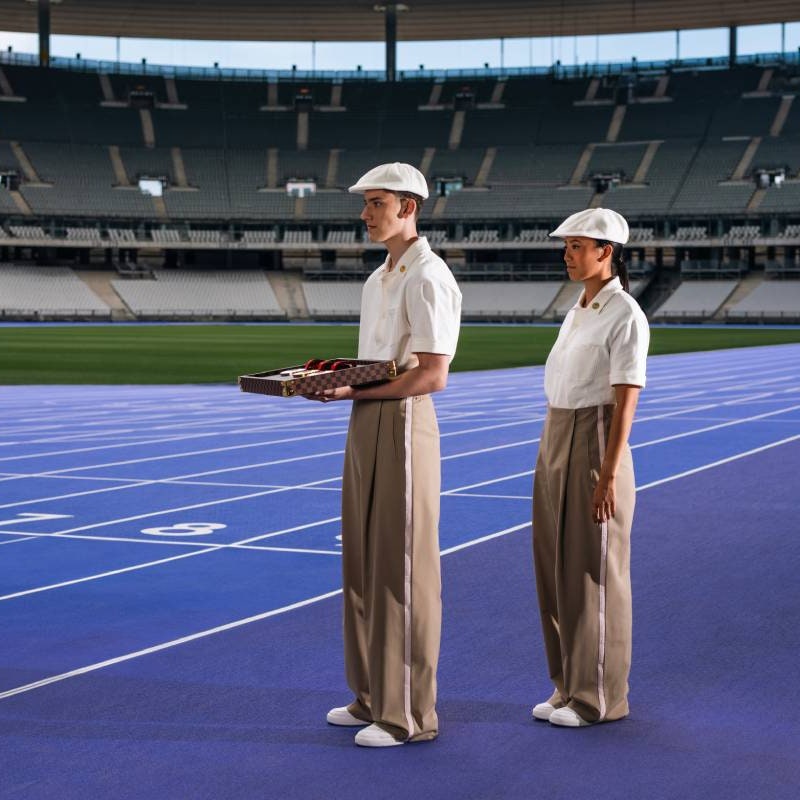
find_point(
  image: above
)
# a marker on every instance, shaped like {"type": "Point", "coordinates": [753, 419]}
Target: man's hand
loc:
{"type": "Point", "coordinates": [329, 395]}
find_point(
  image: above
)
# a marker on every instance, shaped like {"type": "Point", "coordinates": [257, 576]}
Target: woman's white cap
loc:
{"type": "Point", "coordinates": [596, 223]}
{"type": "Point", "coordinates": [396, 177]}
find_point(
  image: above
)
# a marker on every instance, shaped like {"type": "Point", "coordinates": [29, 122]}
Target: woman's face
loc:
{"type": "Point", "coordinates": [585, 259]}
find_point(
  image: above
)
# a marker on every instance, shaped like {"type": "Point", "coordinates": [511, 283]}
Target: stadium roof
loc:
{"type": "Point", "coordinates": [358, 20]}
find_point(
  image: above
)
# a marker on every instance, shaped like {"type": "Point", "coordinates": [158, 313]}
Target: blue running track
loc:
{"type": "Point", "coordinates": [170, 606]}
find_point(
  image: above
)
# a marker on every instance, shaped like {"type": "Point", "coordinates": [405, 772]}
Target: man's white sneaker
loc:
{"type": "Point", "coordinates": [567, 718]}
{"type": "Point", "coordinates": [542, 711]}
{"type": "Point", "coordinates": [375, 736]}
{"type": "Point", "coordinates": [341, 716]}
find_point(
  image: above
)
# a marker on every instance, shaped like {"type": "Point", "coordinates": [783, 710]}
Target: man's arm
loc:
{"type": "Point", "coordinates": [429, 376]}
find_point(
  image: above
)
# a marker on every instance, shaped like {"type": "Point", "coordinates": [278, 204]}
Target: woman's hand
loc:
{"type": "Point", "coordinates": [604, 504]}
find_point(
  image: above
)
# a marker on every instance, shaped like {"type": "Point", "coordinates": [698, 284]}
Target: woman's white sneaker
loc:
{"type": "Point", "coordinates": [341, 716]}
{"type": "Point", "coordinates": [375, 736]}
{"type": "Point", "coordinates": [567, 718]}
{"type": "Point", "coordinates": [542, 711]}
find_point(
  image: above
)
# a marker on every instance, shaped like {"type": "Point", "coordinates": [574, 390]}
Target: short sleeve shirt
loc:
{"type": "Point", "coordinates": [415, 307]}
{"type": "Point", "coordinates": [598, 347]}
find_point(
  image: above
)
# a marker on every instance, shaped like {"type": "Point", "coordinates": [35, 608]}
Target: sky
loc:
{"type": "Point", "coordinates": [471, 54]}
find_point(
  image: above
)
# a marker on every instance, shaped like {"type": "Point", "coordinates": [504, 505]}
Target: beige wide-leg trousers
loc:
{"type": "Point", "coordinates": [583, 568]}
{"type": "Point", "coordinates": [390, 563]}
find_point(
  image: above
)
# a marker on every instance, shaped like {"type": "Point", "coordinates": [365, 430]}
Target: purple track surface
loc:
{"type": "Point", "coordinates": [169, 574]}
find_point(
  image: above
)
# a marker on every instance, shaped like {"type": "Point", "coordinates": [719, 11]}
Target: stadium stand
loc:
{"type": "Point", "coordinates": [89, 235]}
{"type": "Point", "coordinates": [691, 233]}
{"type": "Point", "coordinates": [340, 237]}
{"type": "Point", "coordinates": [523, 301]}
{"type": "Point", "coordinates": [47, 293]}
{"type": "Point", "coordinates": [533, 235]}
{"type": "Point", "coordinates": [770, 301]}
{"type": "Point", "coordinates": [741, 234]}
{"type": "Point", "coordinates": [688, 171]}
{"type": "Point", "coordinates": [28, 232]}
{"type": "Point", "coordinates": [121, 236]}
{"type": "Point", "coordinates": [166, 235]}
{"type": "Point", "coordinates": [483, 236]}
{"type": "Point", "coordinates": [259, 237]}
{"type": "Point", "coordinates": [201, 236]}
{"type": "Point", "coordinates": [436, 237]}
{"type": "Point", "coordinates": [326, 300]}
{"type": "Point", "coordinates": [188, 293]}
{"type": "Point", "coordinates": [695, 300]}
{"type": "Point", "coordinates": [641, 235]}
{"type": "Point", "coordinates": [298, 237]}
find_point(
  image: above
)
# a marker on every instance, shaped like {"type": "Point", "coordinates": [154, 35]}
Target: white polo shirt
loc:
{"type": "Point", "coordinates": [415, 307]}
{"type": "Point", "coordinates": [597, 347]}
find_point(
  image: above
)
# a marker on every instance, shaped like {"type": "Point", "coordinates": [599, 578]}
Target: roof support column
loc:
{"type": "Point", "coordinates": [44, 33]}
{"type": "Point", "coordinates": [732, 43]}
{"type": "Point", "coordinates": [390, 12]}
{"type": "Point", "coordinates": [391, 42]}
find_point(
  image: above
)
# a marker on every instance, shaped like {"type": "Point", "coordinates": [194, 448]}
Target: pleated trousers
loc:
{"type": "Point", "coordinates": [390, 564]}
{"type": "Point", "coordinates": [583, 568]}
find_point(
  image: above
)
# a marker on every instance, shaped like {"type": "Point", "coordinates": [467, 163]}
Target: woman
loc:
{"type": "Point", "coordinates": [584, 492]}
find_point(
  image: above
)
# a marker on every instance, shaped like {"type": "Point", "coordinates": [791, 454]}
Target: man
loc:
{"type": "Point", "coordinates": [410, 312]}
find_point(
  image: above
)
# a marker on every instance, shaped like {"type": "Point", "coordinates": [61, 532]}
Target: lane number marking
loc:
{"type": "Point", "coordinates": [186, 529]}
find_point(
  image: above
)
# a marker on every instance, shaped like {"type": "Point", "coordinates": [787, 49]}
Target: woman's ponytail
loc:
{"type": "Point", "coordinates": [618, 265]}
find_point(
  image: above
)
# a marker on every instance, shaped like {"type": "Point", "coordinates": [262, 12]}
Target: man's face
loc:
{"type": "Point", "coordinates": [384, 214]}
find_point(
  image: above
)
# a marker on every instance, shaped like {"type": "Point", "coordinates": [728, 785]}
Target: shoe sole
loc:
{"type": "Point", "coordinates": [381, 744]}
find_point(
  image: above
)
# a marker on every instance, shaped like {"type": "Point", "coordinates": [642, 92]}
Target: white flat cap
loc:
{"type": "Point", "coordinates": [396, 177]}
{"type": "Point", "coordinates": [596, 223]}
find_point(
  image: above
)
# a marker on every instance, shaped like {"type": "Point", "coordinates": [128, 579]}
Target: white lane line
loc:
{"type": "Point", "coordinates": [489, 482]}
{"type": "Point", "coordinates": [107, 574]}
{"type": "Point", "coordinates": [166, 645]}
{"type": "Point", "coordinates": [522, 443]}
{"type": "Point", "coordinates": [169, 455]}
{"type": "Point", "coordinates": [486, 538]}
{"type": "Point", "coordinates": [718, 463]}
{"type": "Point", "coordinates": [243, 544]}
{"type": "Point", "coordinates": [189, 507]}
{"type": "Point", "coordinates": [492, 496]}
{"type": "Point", "coordinates": [179, 482]}
{"type": "Point", "coordinates": [21, 539]}
{"type": "Point", "coordinates": [147, 564]}
{"type": "Point", "coordinates": [294, 550]}
{"type": "Point", "coordinates": [139, 483]}
{"type": "Point", "coordinates": [218, 629]}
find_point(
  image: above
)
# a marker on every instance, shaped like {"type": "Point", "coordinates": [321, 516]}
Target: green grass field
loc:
{"type": "Point", "coordinates": [218, 353]}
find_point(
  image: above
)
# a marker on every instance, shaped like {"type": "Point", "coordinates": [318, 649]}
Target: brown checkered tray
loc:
{"type": "Point", "coordinates": [272, 382]}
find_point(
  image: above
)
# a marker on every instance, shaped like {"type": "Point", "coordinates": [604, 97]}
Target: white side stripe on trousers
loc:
{"type": "Point", "coordinates": [601, 644]}
{"type": "Point", "coordinates": [408, 555]}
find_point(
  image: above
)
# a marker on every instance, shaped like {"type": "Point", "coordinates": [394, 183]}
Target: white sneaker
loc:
{"type": "Point", "coordinates": [567, 718]}
{"type": "Point", "coordinates": [542, 711]}
{"type": "Point", "coordinates": [375, 736]}
{"type": "Point", "coordinates": [341, 716]}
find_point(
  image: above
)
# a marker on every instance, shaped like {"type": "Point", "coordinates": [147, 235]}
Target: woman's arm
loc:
{"type": "Point", "coordinates": [604, 498]}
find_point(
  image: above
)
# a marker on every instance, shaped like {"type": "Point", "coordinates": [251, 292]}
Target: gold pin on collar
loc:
{"type": "Point", "coordinates": [595, 305]}
{"type": "Point", "coordinates": [402, 268]}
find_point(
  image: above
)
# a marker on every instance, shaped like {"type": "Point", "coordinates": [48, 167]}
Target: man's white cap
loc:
{"type": "Point", "coordinates": [596, 223]}
{"type": "Point", "coordinates": [396, 177]}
